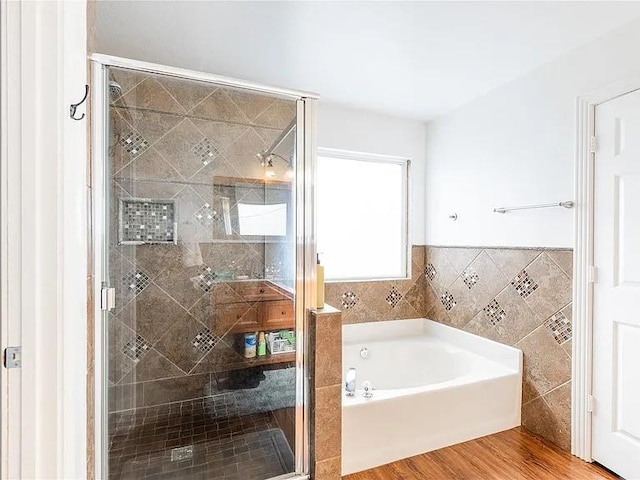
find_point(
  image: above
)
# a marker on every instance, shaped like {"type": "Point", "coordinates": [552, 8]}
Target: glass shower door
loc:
{"type": "Point", "coordinates": [200, 188]}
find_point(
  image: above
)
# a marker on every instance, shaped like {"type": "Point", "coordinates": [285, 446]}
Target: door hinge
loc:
{"type": "Point", "coordinates": [13, 357]}
{"type": "Point", "coordinates": [593, 144]}
{"type": "Point", "coordinates": [590, 402]}
{"type": "Point", "coordinates": [107, 298]}
{"type": "Point", "coordinates": [593, 274]}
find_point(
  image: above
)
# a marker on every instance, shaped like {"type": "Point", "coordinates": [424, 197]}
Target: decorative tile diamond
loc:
{"type": "Point", "coordinates": [204, 341]}
{"type": "Point", "coordinates": [560, 327]}
{"type": "Point", "coordinates": [206, 215]}
{"type": "Point", "coordinates": [136, 349]}
{"type": "Point", "coordinates": [146, 221]}
{"type": "Point", "coordinates": [205, 152]}
{"type": "Point", "coordinates": [206, 278]}
{"type": "Point", "coordinates": [134, 144]}
{"type": "Point", "coordinates": [470, 277]}
{"type": "Point", "coordinates": [494, 312]}
{"type": "Point", "coordinates": [430, 271]}
{"type": "Point", "coordinates": [136, 281]}
{"type": "Point", "coordinates": [524, 284]}
{"type": "Point", "coordinates": [394, 297]}
{"type": "Point", "coordinates": [349, 300]}
{"type": "Point", "coordinates": [447, 300]}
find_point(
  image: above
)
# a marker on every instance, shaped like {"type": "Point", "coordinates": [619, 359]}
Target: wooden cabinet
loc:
{"type": "Point", "coordinates": [245, 317]}
{"type": "Point", "coordinates": [277, 315]}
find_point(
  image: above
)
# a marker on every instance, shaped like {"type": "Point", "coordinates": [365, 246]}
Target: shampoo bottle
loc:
{"type": "Point", "coordinates": [320, 282]}
{"type": "Point", "coordinates": [262, 345]}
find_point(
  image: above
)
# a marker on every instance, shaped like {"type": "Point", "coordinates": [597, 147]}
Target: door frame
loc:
{"type": "Point", "coordinates": [305, 238]}
{"type": "Point", "coordinates": [583, 262]}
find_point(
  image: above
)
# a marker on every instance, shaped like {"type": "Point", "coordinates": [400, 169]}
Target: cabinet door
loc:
{"type": "Point", "coordinates": [277, 315]}
{"type": "Point", "coordinates": [240, 317]}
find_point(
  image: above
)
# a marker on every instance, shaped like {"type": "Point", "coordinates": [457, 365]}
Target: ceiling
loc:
{"type": "Point", "coordinates": [411, 59]}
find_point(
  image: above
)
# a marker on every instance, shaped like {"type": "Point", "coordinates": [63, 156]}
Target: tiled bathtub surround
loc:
{"type": "Point", "coordinates": [520, 297]}
{"type": "Point", "coordinates": [382, 300]}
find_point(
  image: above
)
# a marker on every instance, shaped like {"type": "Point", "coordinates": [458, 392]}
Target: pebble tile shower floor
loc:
{"type": "Point", "coordinates": [233, 436]}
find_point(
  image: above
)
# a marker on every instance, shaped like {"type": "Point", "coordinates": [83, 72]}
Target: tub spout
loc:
{"type": "Point", "coordinates": [350, 382]}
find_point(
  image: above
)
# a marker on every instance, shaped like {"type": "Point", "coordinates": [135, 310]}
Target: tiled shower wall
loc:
{"type": "Point", "coordinates": [172, 140]}
{"type": "Point", "coordinates": [519, 297]}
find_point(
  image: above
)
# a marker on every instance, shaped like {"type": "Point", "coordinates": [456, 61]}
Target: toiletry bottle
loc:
{"type": "Point", "coordinates": [320, 282]}
{"type": "Point", "coordinates": [249, 345]}
{"type": "Point", "coordinates": [262, 345]}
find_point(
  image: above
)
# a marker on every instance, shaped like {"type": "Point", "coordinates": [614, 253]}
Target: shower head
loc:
{"type": "Point", "coordinates": [115, 90]}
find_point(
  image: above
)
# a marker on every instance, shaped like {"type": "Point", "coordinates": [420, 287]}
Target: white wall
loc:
{"type": "Point", "coordinates": [516, 146]}
{"type": "Point", "coordinates": [370, 132]}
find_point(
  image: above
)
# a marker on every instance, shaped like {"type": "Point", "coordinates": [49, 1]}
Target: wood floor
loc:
{"type": "Point", "coordinates": [512, 455]}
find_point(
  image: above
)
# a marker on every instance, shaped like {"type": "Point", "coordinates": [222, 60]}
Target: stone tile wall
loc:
{"type": "Point", "coordinates": [325, 357]}
{"type": "Point", "coordinates": [519, 297]}
{"type": "Point", "coordinates": [179, 141]}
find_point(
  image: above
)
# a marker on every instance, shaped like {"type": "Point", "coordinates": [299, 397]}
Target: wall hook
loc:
{"type": "Point", "coordinates": [453, 216]}
{"type": "Point", "coordinates": [74, 106]}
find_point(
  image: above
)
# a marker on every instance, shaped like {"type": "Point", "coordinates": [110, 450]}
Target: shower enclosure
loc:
{"type": "Point", "coordinates": [204, 255]}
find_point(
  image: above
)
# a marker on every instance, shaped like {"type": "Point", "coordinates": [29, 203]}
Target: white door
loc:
{"type": "Point", "coordinates": [616, 335]}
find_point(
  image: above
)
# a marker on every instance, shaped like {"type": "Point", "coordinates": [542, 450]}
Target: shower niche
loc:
{"type": "Point", "coordinates": [200, 248]}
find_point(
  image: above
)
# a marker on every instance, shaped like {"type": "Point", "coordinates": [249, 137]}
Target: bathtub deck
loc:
{"type": "Point", "coordinates": [512, 455]}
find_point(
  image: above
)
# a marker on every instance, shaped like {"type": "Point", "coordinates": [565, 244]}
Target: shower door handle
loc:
{"type": "Point", "coordinates": [107, 299]}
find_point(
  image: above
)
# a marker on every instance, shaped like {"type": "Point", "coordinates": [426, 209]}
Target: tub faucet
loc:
{"type": "Point", "coordinates": [350, 382]}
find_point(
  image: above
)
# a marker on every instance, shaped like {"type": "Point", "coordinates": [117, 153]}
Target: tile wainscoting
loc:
{"type": "Point", "coordinates": [516, 296]}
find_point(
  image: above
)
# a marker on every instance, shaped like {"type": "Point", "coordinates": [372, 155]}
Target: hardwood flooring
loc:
{"type": "Point", "coordinates": [512, 455]}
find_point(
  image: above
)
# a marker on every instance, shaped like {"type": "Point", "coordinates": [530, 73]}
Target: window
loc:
{"type": "Point", "coordinates": [362, 215]}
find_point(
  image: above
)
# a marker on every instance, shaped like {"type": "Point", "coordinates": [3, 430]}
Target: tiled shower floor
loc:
{"type": "Point", "coordinates": [248, 447]}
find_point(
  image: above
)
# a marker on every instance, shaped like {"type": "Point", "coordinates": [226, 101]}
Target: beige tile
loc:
{"type": "Point", "coordinates": [152, 366]}
{"type": "Point", "coordinates": [221, 134]}
{"type": "Point", "coordinates": [176, 389]}
{"type": "Point", "coordinates": [151, 125]}
{"type": "Point", "coordinates": [150, 165]}
{"type": "Point", "coordinates": [416, 296]}
{"type": "Point", "coordinates": [251, 104]}
{"type": "Point", "coordinates": [460, 258]}
{"type": "Point", "coordinates": [471, 297]}
{"type": "Point", "coordinates": [242, 155]}
{"type": "Point", "coordinates": [278, 115]}
{"type": "Point", "coordinates": [150, 189]}
{"type": "Point", "coordinates": [404, 311]}
{"type": "Point", "coordinates": [328, 350]}
{"type": "Point", "coordinates": [176, 344]}
{"type": "Point", "coordinates": [418, 253]}
{"type": "Point", "coordinates": [180, 282]}
{"type": "Point", "coordinates": [330, 469]}
{"type": "Point", "coordinates": [374, 298]}
{"type": "Point", "coordinates": [125, 397]}
{"type": "Point", "coordinates": [328, 422]}
{"type": "Point", "coordinates": [480, 325]}
{"type": "Point", "coordinates": [151, 259]}
{"type": "Point", "coordinates": [437, 313]}
{"type": "Point", "coordinates": [177, 147]}
{"type": "Point", "coordinates": [188, 93]}
{"type": "Point", "coordinates": [127, 79]}
{"type": "Point", "coordinates": [519, 320]}
{"type": "Point", "coordinates": [564, 259]}
{"type": "Point", "coordinates": [218, 106]}
{"type": "Point", "coordinates": [512, 261]}
{"type": "Point", "coordinates": [443, 273]}
{"type": "Point", "coordinates": [546, 365]}
{"type": "Point", "coordinates": [119, 335]}
{"type": "Point", "coordinates": [221, 358]}
{"type": "Point", "coordinates": [151, 95]}
{"type": "Point", "coordinates": [554, 287]}
{"type": "Point", "coordinates": [151, 313]}
{"type": "Point", "coordinates": [559, 402]}
{"type": "Point", "coordinates": [430, 297]}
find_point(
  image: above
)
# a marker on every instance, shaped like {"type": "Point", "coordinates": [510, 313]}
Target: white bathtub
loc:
{"type": "Point", "coordinates": [433, 386]}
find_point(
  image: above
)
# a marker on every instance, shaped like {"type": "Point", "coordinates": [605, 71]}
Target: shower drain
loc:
{"type": "Point", "coordinates": [182, 453]}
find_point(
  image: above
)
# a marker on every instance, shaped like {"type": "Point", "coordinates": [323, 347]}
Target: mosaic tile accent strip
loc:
{"type": "Point", "coordinates": [134, 144]}
{"type": "Point", "coordinates": [394, 297]}
{"type": "Point", "coordinates": [470, 277]}
{"type": "Point", "coordinates": [205, 152]}
{"type": "Point", "coordinates": [136, 281]}
{"type": "Point", "coordinates": [146, 221]}
{"type": "Point", "coordinates": [206, 278]}
{"type": "Point", "coordinates": [430, 271]}
{"type": "Point", "coordinates": [448, 301]}
{"type": "Point", "coordinates": [206, 215]}
{"type": "Point", "coordinates": [136, 349]}
{"type": "Point", "coordinates": [560, 327]}
{"type": "Point", "coordinates": [204, 341]}
{"type": "Point", "coordinates": [494, 312]}
{"type": "Point", "coordinates": [349, 300]}
{"type": "Point", "coordinates": [524, 284]}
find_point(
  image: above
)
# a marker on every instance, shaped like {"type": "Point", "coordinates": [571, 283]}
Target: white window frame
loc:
{"type": "Point", "coordinates": [405, 163]}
